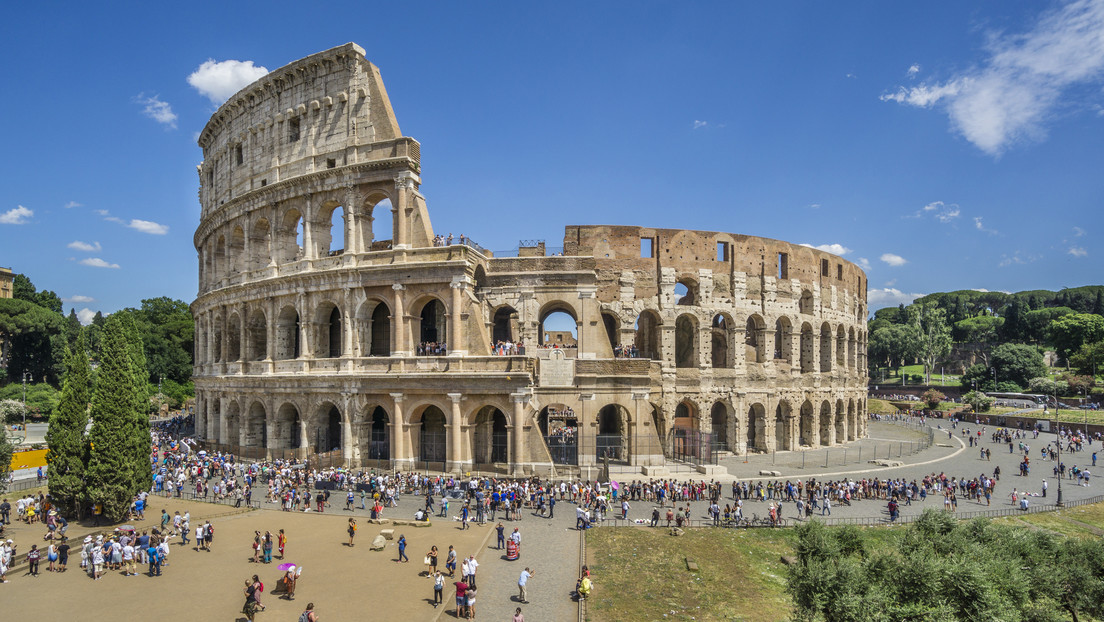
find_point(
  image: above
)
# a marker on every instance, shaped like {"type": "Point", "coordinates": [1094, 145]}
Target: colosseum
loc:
{"type": "Point", "coordinates": [332, 322]}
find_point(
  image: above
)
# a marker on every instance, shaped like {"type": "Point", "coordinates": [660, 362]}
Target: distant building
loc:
{"type": "Point", "coordinates": [7, 280]}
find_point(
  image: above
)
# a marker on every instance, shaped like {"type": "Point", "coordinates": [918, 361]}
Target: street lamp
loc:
{"type": "Point", "coordinates": [26, 375]}
{"type": "Point", "coordinates": [1058, 441]}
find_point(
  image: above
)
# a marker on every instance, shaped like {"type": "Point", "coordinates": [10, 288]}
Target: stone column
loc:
{"type": "Point", "coordinates": [270, 330]}
{"type": "Point", "coordinates": [224, 348]}
{"type": "Point", "coordinates": [243, 335]}
{"type": "Point", "coordinates": [352, 239]}
{"type": "Point", "coordinates": [456, 325]}
{"type": "Point", "coordinates": [200, 416]}
{"type": "Point", "coordinates": [404, 187]}
{"type": "Point", "coordinates": [347, 427]}
{"type": "Point", "coordinates": [398, 342]}
{"type": "Point", "coordinates": [646, 449]}
{"type": "Point", "coordinates": [304, 324]}
{"type": "Point", "coordinates": [347, 326]}
{"type": "Point", "coordinates": [273, 226]}
{"type": "Point", "coordinates": [518, 460]}
{"type": "Point", "coordinates": [398, 450]}
{"type": "Point", "coordinates": [308, 228]}
{"type": "Point", "coordinates": [304, 440]}
{"type": "Point", "coordinates": [223, 433]}
{"type": "Point", "coordinates": [455, 438]}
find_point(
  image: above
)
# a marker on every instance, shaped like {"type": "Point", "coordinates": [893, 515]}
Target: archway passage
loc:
{"type": "Point", "coordinates": [647, 336]}
{"type": "Point", "coordinates": [257, 335]}
{"type": "Point", "coordinates": [432, 331]}
{"type": "Point", "coordinates": [287, 334]}
{"type": "Point", "coordinates": [381, 331]}
{"type": "Point", "coordinates": [753, 339]}
{"type": "Point", "coordinates": [330, 339]}
{"type": "Point", "coordinates": [379, 443]}
{"type": "Point", "coordinates": [233, 338]}
{"type": "Point", "coordinates": [613, 330]}
{"type": "Point", "coordinates": [686, 438]}
{"type": "Point", "coordinates": [490, 442]}
{"type": "Point", "coordinates": [560, 429]}
{"type": "Point", "coordinates": [808, 424]}
{"type": "Point", "coordinates": [328, 432]}
{"type": "Point", "coordinates": [558, 328]}
{"type": "Point", "coordinates": [782, 439]}
{"type": "Point", "coordinates": [288, 428]}
{"type": "Point", "coordinates": [255, 432]}
{"type": "Point", "coordinates": [505, 325]}
{"type": "Point", "coordinates": [757, 428]}
{"type": "Point", "coordinates": [686, 350]}
{"type": "Point", "coordinates": [432, 436]}
{"type": "Point", "coordinates": [783, 340]}
{"type": "Point", "coordinates": [807, 354]}
{"type": "Point", "coordinates": [718, 419]}
{"type": "Point", "coordinates": [612, 439]}
{"type": "Point", "coordinates": [719, 341]}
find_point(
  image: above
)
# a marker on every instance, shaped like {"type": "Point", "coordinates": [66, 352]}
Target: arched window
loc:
{"type": "Point", "coordinates": [432, 437]}
{"type": "Point", "coordinates": [719, 335]}
{"type": "Point", "coordinates": [686, 292]}
{"type": "Point", "coordinates": [686, 342]}
{"type": "Point", "coordinates": [783, 340]}
{"type": "Point", "coordinates": [233, 338]}
{"type": "Point", "coordinates": [237, 251]}
{"type": "Point", "coordinates": [613, 329]}
{"type": "Point", "coordinates": [289, 243]}
{"type": "Point", "coordinates": [807, 424]}
{"type": "Point", "coordinates": [825, 423]}
{"type": "Point", "coordinates": [825, 348]}
{"type": "Point", "coordinates": [379, 443]}
{"type": "Point", "coordinates": [258, 245]}
{"type": "Point", "coordinates": [718, 419]}
{"type": "Point", "coordinates": [558, 327]}
{"type": "Point", "coordinates": [505, 324]}
{"type": "Point", "coordinates": [805, 304]}
{"type": "Point", "coordinates": [647, 336]}
{"type": "Point", "coordinates": [288, 428]}
{"type": "Point", "coordinates": [490, 439]}
{"type": "Point", "coordinates": [753, 339]}
{"type": "Point", "coordinates": [381, 331]}
{"type": "Point", "coordinates": [807, 353]}
{"type": "Point", "coordinates": [333, 330]}
{"type": "Point", "coordinates": [612, 439]}
{"type": "Point", "coordinates": [257, 335]}
{"type": "Point", "coordinates": [782, 440]}
{"type": "Point", "coordinates": [432, 328]}
{"type": "Point", "coordinates": [380, 232]}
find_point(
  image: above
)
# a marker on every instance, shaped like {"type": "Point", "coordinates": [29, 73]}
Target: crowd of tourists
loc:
{"type": "Point", "coordinates": [431, 348]}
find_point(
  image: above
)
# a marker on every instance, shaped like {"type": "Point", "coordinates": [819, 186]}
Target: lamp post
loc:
{"type": "Point", "coordinates": [1058, 441]}
{"type": "Point", "coordinates": [26, 375]}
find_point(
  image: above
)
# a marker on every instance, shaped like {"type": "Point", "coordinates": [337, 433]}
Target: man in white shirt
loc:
{"type": "Point", "coordinates": [130, 567]}
{"type": "Point", "coordinates": [472, 566]}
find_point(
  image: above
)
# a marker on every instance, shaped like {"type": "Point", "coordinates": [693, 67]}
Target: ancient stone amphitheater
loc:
{"type": "Point", "coordinates": [331, 321]}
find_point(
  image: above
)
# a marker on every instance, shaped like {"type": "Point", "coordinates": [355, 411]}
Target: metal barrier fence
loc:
{"type": "Point", "coordinates": [25, 484]}
{"type": "Point", "coordinates": [861, 451]}
{"type": "Point", "coordinates": [190, 495]}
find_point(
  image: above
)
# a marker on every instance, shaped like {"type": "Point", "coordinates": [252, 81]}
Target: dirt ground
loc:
{"type": "Point", "coordinates": [344, 583]}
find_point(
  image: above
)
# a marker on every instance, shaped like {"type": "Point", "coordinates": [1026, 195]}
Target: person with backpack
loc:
{"type": "Point", "coordinates": [309, 615]}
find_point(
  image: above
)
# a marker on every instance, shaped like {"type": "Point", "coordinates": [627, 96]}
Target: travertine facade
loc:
{"type": "Point", "coordinates": [329, 319]}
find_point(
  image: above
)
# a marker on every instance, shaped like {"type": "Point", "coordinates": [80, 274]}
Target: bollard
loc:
{"type": "Point", "coordinates": [803, 459]}
{"type": "Point", "coordinates": [826, 457]}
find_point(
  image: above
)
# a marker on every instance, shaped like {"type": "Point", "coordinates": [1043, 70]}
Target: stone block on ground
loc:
{"type": "Point", "coordinates": [388, 534]}
{"type": "Point", "coordinates": [691, 565]}
{"type": "Point", "coordinates": [766, 473]}
{"type": "Point", "coordinates": [378, 544]}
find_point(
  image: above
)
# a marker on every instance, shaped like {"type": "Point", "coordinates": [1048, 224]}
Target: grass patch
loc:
{"type": "Point", "coordinates": [640, 574]}
{"type": "Point", "coordinates": [875, 405]}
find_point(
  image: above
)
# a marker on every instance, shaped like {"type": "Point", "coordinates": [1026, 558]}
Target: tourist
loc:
{"type": "Point", "coordinates": [472, 567]}
{"type": "Point", "coordinates": [281, 541]}
{"type": "Point", "coordinates": [33, 557]}
{"type": "Point", "coordinates": [517, 616]}
{"type": "Point", "coordinates": [266, 547]}
{"type": "Point", "coordinates": [500, 530]}
{"type": "Point", "coordinates": [250, 607]}
{"type": "Point", "coordinates": [438, 588]}
{"type": "Point", "coordinates": [63, 554]}
{"type": "Point", "coordinates": [523, 580]}
{"type": "Point", "coordinates": [352, 529]}
{"type": "Point", "coordinates": [471, 602]}
{"type": "Point", "coordinates": [450, 561]}
{"type": "Point", "coordinates": [309, 615]}
{"type": "Point", "coordinates": [431, 561]}
{"type": "Point", "coordinates": [256, 547]}
{"type": "Point", "coordinates": [402, 550]}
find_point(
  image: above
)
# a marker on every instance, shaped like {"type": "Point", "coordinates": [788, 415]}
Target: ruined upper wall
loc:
{"type": "Point", "coordinates": [642, 249]}
{"type": "Point", "coordinates": [325, 111]}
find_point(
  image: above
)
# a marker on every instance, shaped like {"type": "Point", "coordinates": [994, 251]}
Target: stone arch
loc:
{"type": "Point", "coordinates": [826, 423]}
{"type": "Point", "coordinates": [259, 240]}
{"type": "Point", "coordinates": [432, 322]}
{"type": "Point", "coordinates": [490, 436]}
{"type": "Point", "coordinates": [256, 333]}
{"type": "Point", "coordinates": [757, 428]}
{"type": "Point", "coordinates": [544, 337]}
{"type": "Point", "coordinates": [233, 338]}
{"type": "Point", "coordinates": [805, 303]}
{"type": "Point", "coordinates": [685, 430]}
{"type": "Point", "coordinates": [648, 330]}
{"type": "Point", "coordinates": [233, 424]}
{"type": "Point", "coordinates": [561, 432]}
{"type": "Point", "coordinates": [236, 251]}
{"type": "Point", "coordinates": [375, 435]}
{"type": "Point", "coordinates": [432, 435]}
{"type": "Point", "coordinates": [686, 341]}
{"type": "Point", "coordinates": [505, 324]}
{"type": "Point", "coordinates": [289, 237]}
{"type": "Point", "coordinates": [612, 440]}
{"type": "Point", "coordinates": [287, 334]}
{"type": "Point", "coordinates": [721, 338]}
{"type": "Point", "coordinates": [380, 332]}
{"type": "Point", "coordinates": [754, 339]}
{"type": "Point", "coordinates": [330, 233]}
{"type": "Point", "coordinates": [328, 340]}
{"type": "Point", "coordinates": [686, 291]}
{"type": "Point", "coordinates": [825, 348]}
{"type": "Point", "coordinates": [718, 420]}
{"type": "Point", "coordinates": [288, 428]}
{"type": "Point", "coordinates": [851, 347]}
{"type": "Point", "coordinates": [255, 428]}
{"type": "Point", "coordinates": [783, 426]}
{"type": "Point", "coordinates": [327, 428]}
{"type": "Point", "coordinates": [841, 346]}
{"type": "Point", "coordinates": [612, 325]}
{"type": "Point", "coordinates": [841, 422]}
{"type": "Point", "coordinates": [807, 429]}
{"type": "Point", "coordinates": [375, 222]}
{"type": "Point", "coordinates": [807, 347]}
{"type": "Point", "coordinates": [783, 340]}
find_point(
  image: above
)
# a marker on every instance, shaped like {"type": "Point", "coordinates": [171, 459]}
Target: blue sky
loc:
{"type": "Point", "coordinates": [943, 145]}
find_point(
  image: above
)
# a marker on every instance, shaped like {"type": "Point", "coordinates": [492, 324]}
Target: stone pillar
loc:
{"type": "Point", "coordinates": [304, 440]}
{"type": "Point", "coordinates": [347, 326]}
{"type": "Point", "coordinates": [304, 326]}
{"type": "Point", "coordinates": [200, 416]}
{"type": "Point", "coordinates": [308, 228]}
{"type": "Point", "coordinates": [352, 240]}
{"type": "Point", "coordinates": [645, 449]}
{"type": "Point", "coordinates": [518, 459]}
{"type": "Point", "coordinates": [270, 330]}
{"type": "Point", "coordinates": [398, 341]}
{"type": "Point", "coordinates": [398, 450]}
{"type": "Point", "coordinates": [347, 428]}
{"type": "Point", "coordinates": [456, 325]}
{"type": "Point", "coordinates": [455, 438]}
{"type": "Point", "coordinates": [404, 187]}
{"type": "Point", "coordinates": [224, 348]}
{"type": "Point", "coordinates": [273, 226]}
{"type": "Point", "coordinates": [243, 335]}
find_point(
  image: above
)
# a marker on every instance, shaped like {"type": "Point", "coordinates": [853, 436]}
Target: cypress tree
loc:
{"type": "Point", "coordinates": [140, 437]}
{"type": "Point", "coordinates": [111, 474]}
{"type": "Point", "coordinates": [67, 448]}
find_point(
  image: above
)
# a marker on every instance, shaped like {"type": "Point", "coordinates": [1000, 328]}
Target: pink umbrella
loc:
{"type": "Point", "coordinates": [287, 566]}
{"type": "Point", "coordinates": [614, 485]}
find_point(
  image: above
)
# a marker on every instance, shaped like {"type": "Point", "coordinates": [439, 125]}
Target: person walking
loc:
{"type": "Point", "coordinates": [352, 529]}
{"type": "Point", "coordinates": [308, 615]}
{"type": "Point", "coordinates": [450, 561]}
{"type": "Point", "coordinates": [438, 588]}
{"type": "Point", "coordinates": [501, 536]}
{"type": "Point", "coordinates": [281, 541]}
{"type": "Point", "coordinates": [250, 606]}
{"type": "Point", "coordinates": [402, 550]}
{"type": "Point", "coordinates": [523, 580]}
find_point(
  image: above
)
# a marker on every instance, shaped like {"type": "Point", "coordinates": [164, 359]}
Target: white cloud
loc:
{"type": "Point", "coordinates": [1011, 95]}
{"type": "Point", "coordinates": [1078, 232]}
{"type": "Point", "coordinates": [102, 212]}
{"type": "Point", "coordinates": [864, 262]}
{"type": "Point", "coordinates": [981, 227]}
{"type": "Point", "coordinates": [814, 206]}
{"type": "Point", "coordinates": [16, 216]}
{"type": "Point", "coordinates": [79, 298]}
{"type": "Point", "coordinates": [96, 262]}
{"type": "Point", "coordinates": [217, 81]}
{"type": "Point", "coordinates": [893, 260]}
{"type": "Point", "coordinates": [157, 110]}
{"type": "Point", "coordinates": [888, 297]}
{"type": "Point", "coordinates": [942, 211]}
{"type": "Point", "coordinates": [1017, 258]}
{"type": "Point", "coordinates": [72, 204]}
{"type": "Point", "coordinates": [85, 246]}
{"type": "Point", "coordinates": [1078, 251]}
{"type": "Point", "coordinates": [147, 226]}
{"type": "Point", "coordinates": [891, 282]}
{"type": "Point", "coordinates": [700, 124]}
{"type": "Point", "coordinates": [835, 249]}
{"type": "Point", "coordinates": [851, 76]}
{"type": "Point", "coordinates": [86, 316]}
{"type": "Point", "coordinates": [913, 70]}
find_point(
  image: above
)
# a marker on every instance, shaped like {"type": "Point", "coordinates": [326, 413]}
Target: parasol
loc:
{"type": "Point", "coordinates": [287, 566]}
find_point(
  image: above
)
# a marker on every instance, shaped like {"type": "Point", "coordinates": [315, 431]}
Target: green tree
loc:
{"type": "Point", "coordinates": [1017, 363]}
{"type": "Point", "coordinates": [48, 300]}
{"type": "Point", "coordinates": [27, 337]}
{"type": "Point", "coordinates": [978, 401]}
{"type": "Point", "coordinates": [67, 448]}
{"type": "Point", "coordinates": [1068, 333]}
{"type": "Point", "coordinates": [895, 345]}
{"type": "Point", "coordinates": [6, 451]}
{"type": "Point", "coordinates": [73, 328]}
{"type": "Point", "coordinates": [932, 398]}
{"type": "Point", "coordinates": [931, 333]}
{"type": "Point", "coordinates": [139, 449]}
{"type": "Point", "coordinates": [112, 473]}
{"type": "Point", "coordinates": [980, 330]}
{"type": "Point", "coordinates": [23, 289]}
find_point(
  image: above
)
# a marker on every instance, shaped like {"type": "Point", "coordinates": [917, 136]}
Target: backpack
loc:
{"type": "Point", "coordinates": [304, 617]}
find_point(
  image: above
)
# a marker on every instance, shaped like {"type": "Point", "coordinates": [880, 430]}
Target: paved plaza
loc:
{"type": "Point", "coordinates": [347, 583]}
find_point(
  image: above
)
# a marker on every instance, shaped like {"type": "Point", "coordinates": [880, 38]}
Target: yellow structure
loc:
{"type": "Point", "coordinates": [28, 459]}
{"type": "Point", "coordinates": [7, 280]}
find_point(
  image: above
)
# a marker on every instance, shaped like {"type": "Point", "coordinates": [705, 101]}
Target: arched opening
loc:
{"type": "Point", "coordinates": [686, 292]}
{"type": "Point", "coordinates": [505, 325]}
{"type": "Point", "coordinates": [719, 337]}
{"type": "Point", "coordinates": [613, 330]}
{"type": "Point", "coordinates": [382, 229]}
{"type": "Point", "coordinates": [852, 421]}
{"type": "Point", "coordinates": [381, 331]}
{"type": "Point", "coordinates": [328, 431]}
{"type": "Point", "coordinates": [256, 334]}
{"type": "Point", "coordinates": [256, 432]}
{"type": "Point", "coordinates": [289, 243]}
{"type": "Point", "coordinates": [851, 346]}
{"type": "Point", "coordinates": [757, 428]}
{"type": "Point", "coordinates": [718, 419]}
{"type": "Point", "coordinates": [237, 251]}
{"type": "Point", "coordinates": [612, 440]}
{"type": "Point", "coordinates": [379, 435]}
{"type": "Point", "coordinates": [560, 429]}
{"type": "Point", "coordinates": [841, 422]}
{"type": "Point", "coordinates": [432, 436]}
{"type": "Point", "coordinates": [335, 244]}
{"type": "Point", "coordinates": [825, 423]}
{"type": "Point", "coordinates": [686, 350]}
{"type": "Point", "coordinates": [841, 346]}
{"type": "Point", "coordinates": [259, 251]}
{"type": "Point", "coordinates": [807, 354]}
{"type": "Point", "coordinates": [807, 424]}
{"type": "Point", "coordinates": [558, 327]}
{"type": "Point", "coordinates": [782, 425]}
{"type": "Point", "coordinates": [288, 428]}
{"type": "Point", "coordinates": [783, 340]}
{"type": "Point", "coordinates": [432, 335]}
{"type": "Point", "coordinates": [647, 336]}
{"type": "Point", "coordinates": [490, 436]}
{"type": "Point", "coordinates": [685, 432]}
{"type": "Point", "coordinates": [805, 304]}
{"type": "Point", "coordinates": [233, 338]}
{"type": "Point", "coordinates": [825, 348]}
{"type": "Point", "coordinates": [216, 349]}
{"type": "Point", "coordinates": [753, 339]}
{"type": "Point", "coordinates": [233, 425]}
{"type": "Point", "coordinates": [287, 334]}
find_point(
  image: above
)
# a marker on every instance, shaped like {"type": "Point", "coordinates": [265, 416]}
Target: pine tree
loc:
{"type": "Point", "coordinates": [111, 474]}
{"type": "Point", "coordinates": [1098, 306]}
{"type": "Point", "coordinates": [72, 328]}
{"type": "Point", "coordinates": [67, 448]}
{"type": "Point", "coordinates": [140, 438]}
